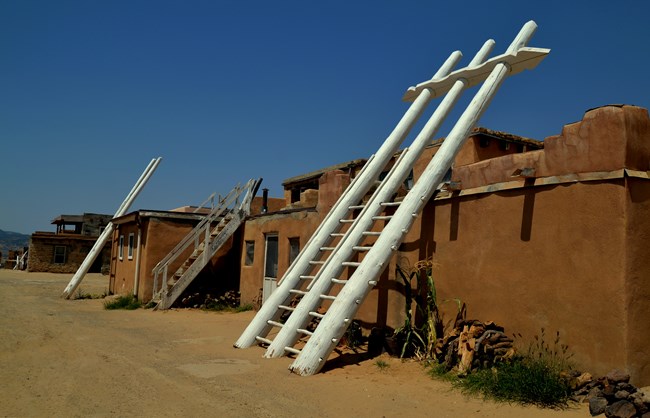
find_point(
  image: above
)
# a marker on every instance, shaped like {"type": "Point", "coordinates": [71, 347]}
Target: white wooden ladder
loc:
{"type": "Point", "coordinates": [373, 235]}
{"type": "Point", "coordinates": [207, 237]}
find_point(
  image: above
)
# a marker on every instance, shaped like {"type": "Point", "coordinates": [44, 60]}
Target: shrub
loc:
{"type": "Point", "coordinates": [123, 302]}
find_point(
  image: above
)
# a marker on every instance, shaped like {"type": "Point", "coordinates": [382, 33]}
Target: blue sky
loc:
{"type": "Point", "coordinates": [224, 91]}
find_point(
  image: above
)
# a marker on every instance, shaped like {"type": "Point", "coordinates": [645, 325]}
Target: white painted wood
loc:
{"type": "Point", "coordinates": [108, 231]}
{"type": "Point", "coordinates": [343, 309]}
{"type": "Point", "coordinates": [331, 225]}
{"type": "Point", "coordinates": [326, 277]}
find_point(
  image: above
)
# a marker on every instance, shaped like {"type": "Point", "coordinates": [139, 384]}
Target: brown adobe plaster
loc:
{"type": "Point", "coordinates": [606, 139]}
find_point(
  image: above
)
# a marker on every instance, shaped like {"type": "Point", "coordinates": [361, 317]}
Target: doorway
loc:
{"type": "Point", "coordinates": [270, 265]}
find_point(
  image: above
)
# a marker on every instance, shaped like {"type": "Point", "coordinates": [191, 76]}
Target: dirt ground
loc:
{"type": "Point", "coordinates": [72, 358]}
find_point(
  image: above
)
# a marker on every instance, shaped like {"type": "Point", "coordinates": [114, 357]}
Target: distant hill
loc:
{"type": "Point", "coordinates": [12, 241]}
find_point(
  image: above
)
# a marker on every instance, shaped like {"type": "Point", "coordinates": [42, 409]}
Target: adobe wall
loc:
{"type": "Point", "coordinates": [547, 257]}
{"type": "Point", "coordinates": [292, 224]}
{"type": "Point", "coordinates": [41, 253]}
{"type": "Point", "coordinates": [637, 277]}
{"type": "Point", "coordinates": [165, 235]}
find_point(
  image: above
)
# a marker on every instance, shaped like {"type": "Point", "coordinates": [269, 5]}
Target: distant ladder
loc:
{"type": "Point", "coordinates": [370, 237]}
{"type": "Point", "coordinates": [206, 238]}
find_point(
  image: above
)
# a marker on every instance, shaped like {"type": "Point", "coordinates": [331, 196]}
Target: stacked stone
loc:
{"type": "Point", "coordinates": [473, 344]}
{"type": "Point", "coordinates": [612, 395]}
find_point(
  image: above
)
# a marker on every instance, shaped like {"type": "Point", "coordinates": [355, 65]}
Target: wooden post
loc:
{"type": "Point", "coordinates": [104, 236]}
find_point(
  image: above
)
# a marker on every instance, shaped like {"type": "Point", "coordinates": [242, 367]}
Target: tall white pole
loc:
{"type": "Point", "coordinates": [352, 196]}
{"type": "Point", "coordinates": [104, 236]}
{"type": "Point", "coordinates": [333, 325]}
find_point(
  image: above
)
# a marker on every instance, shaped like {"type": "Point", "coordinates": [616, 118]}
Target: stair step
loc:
{"type": "Point", "coordinates": [337, 234]}
{"type": "Point", "coordinates": [286, 308]}
{"type": "Point", "coordinates": [360, 248]}
{"type": "Point", "coordinates": [351, 263]}
{"type": "Point", "coordinates": [292, 350]}
{"type": "Point", "coordinates": [263, 340]}
{"type": "Point", "coordinates": [328, 297]}
{"type": "Point", "coordinates": [275, 323]}
{"type": "Point", "coordinates": [353, 207]}
{"type": "Point", "coordinates": [346, 221]}
{"type": "Point", "coordinates": [316, 314]}
{"type": "Point", "coordinates": [305, 331]}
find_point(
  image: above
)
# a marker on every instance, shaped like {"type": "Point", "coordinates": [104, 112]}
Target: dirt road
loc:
{"type": "Point", "coordinates": [72, 358]}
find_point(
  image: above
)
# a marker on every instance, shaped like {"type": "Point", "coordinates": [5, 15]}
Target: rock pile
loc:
{"type": "Point", "coordinates": [473, 344]}
{"type": "Point", "coordinates": [612, 395]}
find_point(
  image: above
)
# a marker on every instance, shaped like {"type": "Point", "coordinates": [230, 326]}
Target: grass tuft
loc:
{"type": "Point", "coordinates": [525, 381]}
{"type": "Point", "coordinates": [382, 365]}
{"type": "Point", "coordinates": [127, 302]}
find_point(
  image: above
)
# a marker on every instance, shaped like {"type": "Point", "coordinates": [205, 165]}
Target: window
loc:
{"type": "Point", "coordinates": [250, 253]}
{"type": "Point", "coordinates": [131, 239]}
{"type": "Point", "coordinates": [271, 260]}
{"type": "Point", "coordinates": [120, 249]}
{"type": "Point", "coordinates": [504, 146]}
{"type": "Point", "coordinates": [294, 249]}
{"type": "Point", "coordinates": [59, 254]}
{"type": "Point", "coordinates": [484, 142]}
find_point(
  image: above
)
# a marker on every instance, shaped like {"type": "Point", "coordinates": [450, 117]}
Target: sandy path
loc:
{"type": "Point", "coordinates": [73, 358]}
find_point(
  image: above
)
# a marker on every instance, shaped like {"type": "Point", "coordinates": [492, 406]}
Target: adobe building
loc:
{"type": "Point", "coordinates": [63, 251]}
{"type": "Point", "coordinates": [530, 235]}
{"type": "Point", "coordinates": [145, 237]}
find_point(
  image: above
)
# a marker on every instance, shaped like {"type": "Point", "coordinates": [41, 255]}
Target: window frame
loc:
{"type": "Point", "coordinates": [55, 255]}
{"type": "Point", "coordinates": [131, 245]}
{"type": "Point", "coordinates": [249, 257]}
{"type": "Point", "coordinates": [120, 248]}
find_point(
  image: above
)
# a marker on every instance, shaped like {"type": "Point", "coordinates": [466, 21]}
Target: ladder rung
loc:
{"type": "Point", "coordinates": [316, 314]}
{"type": "Point", "coordinates": [297, 292]}
{"type": "Point", "coordinates": [263, 340]}
{"type": "Point", "coordinates": [353, 207]}
{"type": "Point", "coordinates": [305, 331]}
{"type": "Point", "coordinates": [351, 263]}
{"type": "Point", "coordinates": [390, 204]}
{"type": "Point", "coordinates": [314, 262]}
{"type": "Point", "coordinates": [307, 277]}
{"type": "Point", "coordinates": [371, 233]}
{"type": "Point", "coordinates": [327, 248]}
{"type": "Point", "coordinates": [328, 297]}
{"type": "Point", "coordinates": [382, 217]}
{"type": "Point", "coordinates": [286, 308]}
{"type": "Point", "coordinates": [337, 234]}
{"type": "Point", "coordinates": [359, 248]}
{"type": "Point", "coordinates": [346, 221]}
{"type": "Point", "coordinates": [339, 281]}
{"type": "Point", "coordinates": [275, 323]}
{"type": "Point", "coordinates": [292, 350]}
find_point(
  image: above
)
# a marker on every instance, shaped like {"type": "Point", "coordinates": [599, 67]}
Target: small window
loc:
{"type": "Point", "coordinates": [130, 253]}
{"type": "Point", "coordinates": [250, 253]}
{"type": "Point", "coordinates": [59, 254]}
{"type": "Point", "coordinates": [271, 261]}
{"type": "Point", "coordinates": [504, 146]}
{"type": "Point", "coordinates": [484, 142]}
{"type": "Point", "coordinates": [294, 249]}
{"type": "Point", "coordinates": [295, 195]}
{"type": "Point", "coordinates": [120, 249]}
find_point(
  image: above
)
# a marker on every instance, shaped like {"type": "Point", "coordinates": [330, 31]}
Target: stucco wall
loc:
{"type": "Point", "coordinates": [41, 253]}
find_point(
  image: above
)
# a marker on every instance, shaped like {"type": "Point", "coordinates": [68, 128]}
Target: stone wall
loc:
{"type": "Point", "coordinates": [77, 247]}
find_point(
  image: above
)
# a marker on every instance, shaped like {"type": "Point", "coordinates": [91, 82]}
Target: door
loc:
{"type": "Point", "coordinates": [270, 265]}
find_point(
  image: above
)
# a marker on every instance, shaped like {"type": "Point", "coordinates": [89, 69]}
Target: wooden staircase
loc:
{"type": "Point", "coordinates": [205, 240]}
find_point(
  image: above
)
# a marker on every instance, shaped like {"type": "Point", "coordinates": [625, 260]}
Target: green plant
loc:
{"type": "Point", "coordinates": [382, 365]}
{"type": "Point", "coordinates": [420, 340]}
{"type": "Point", "coordinates": [536, 376]}
{"type": "Point", "coordinates": [128, 302]}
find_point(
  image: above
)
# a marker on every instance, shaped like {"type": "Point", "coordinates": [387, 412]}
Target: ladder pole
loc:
{"type": "Point", "coordinates": [333, 325]}
{"type": "Point", "coordinates": [287, 336]}
{"type": "Point", "coordinates": [105, 236]}
{"type": "Point", "coordinates": [259, 326]}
